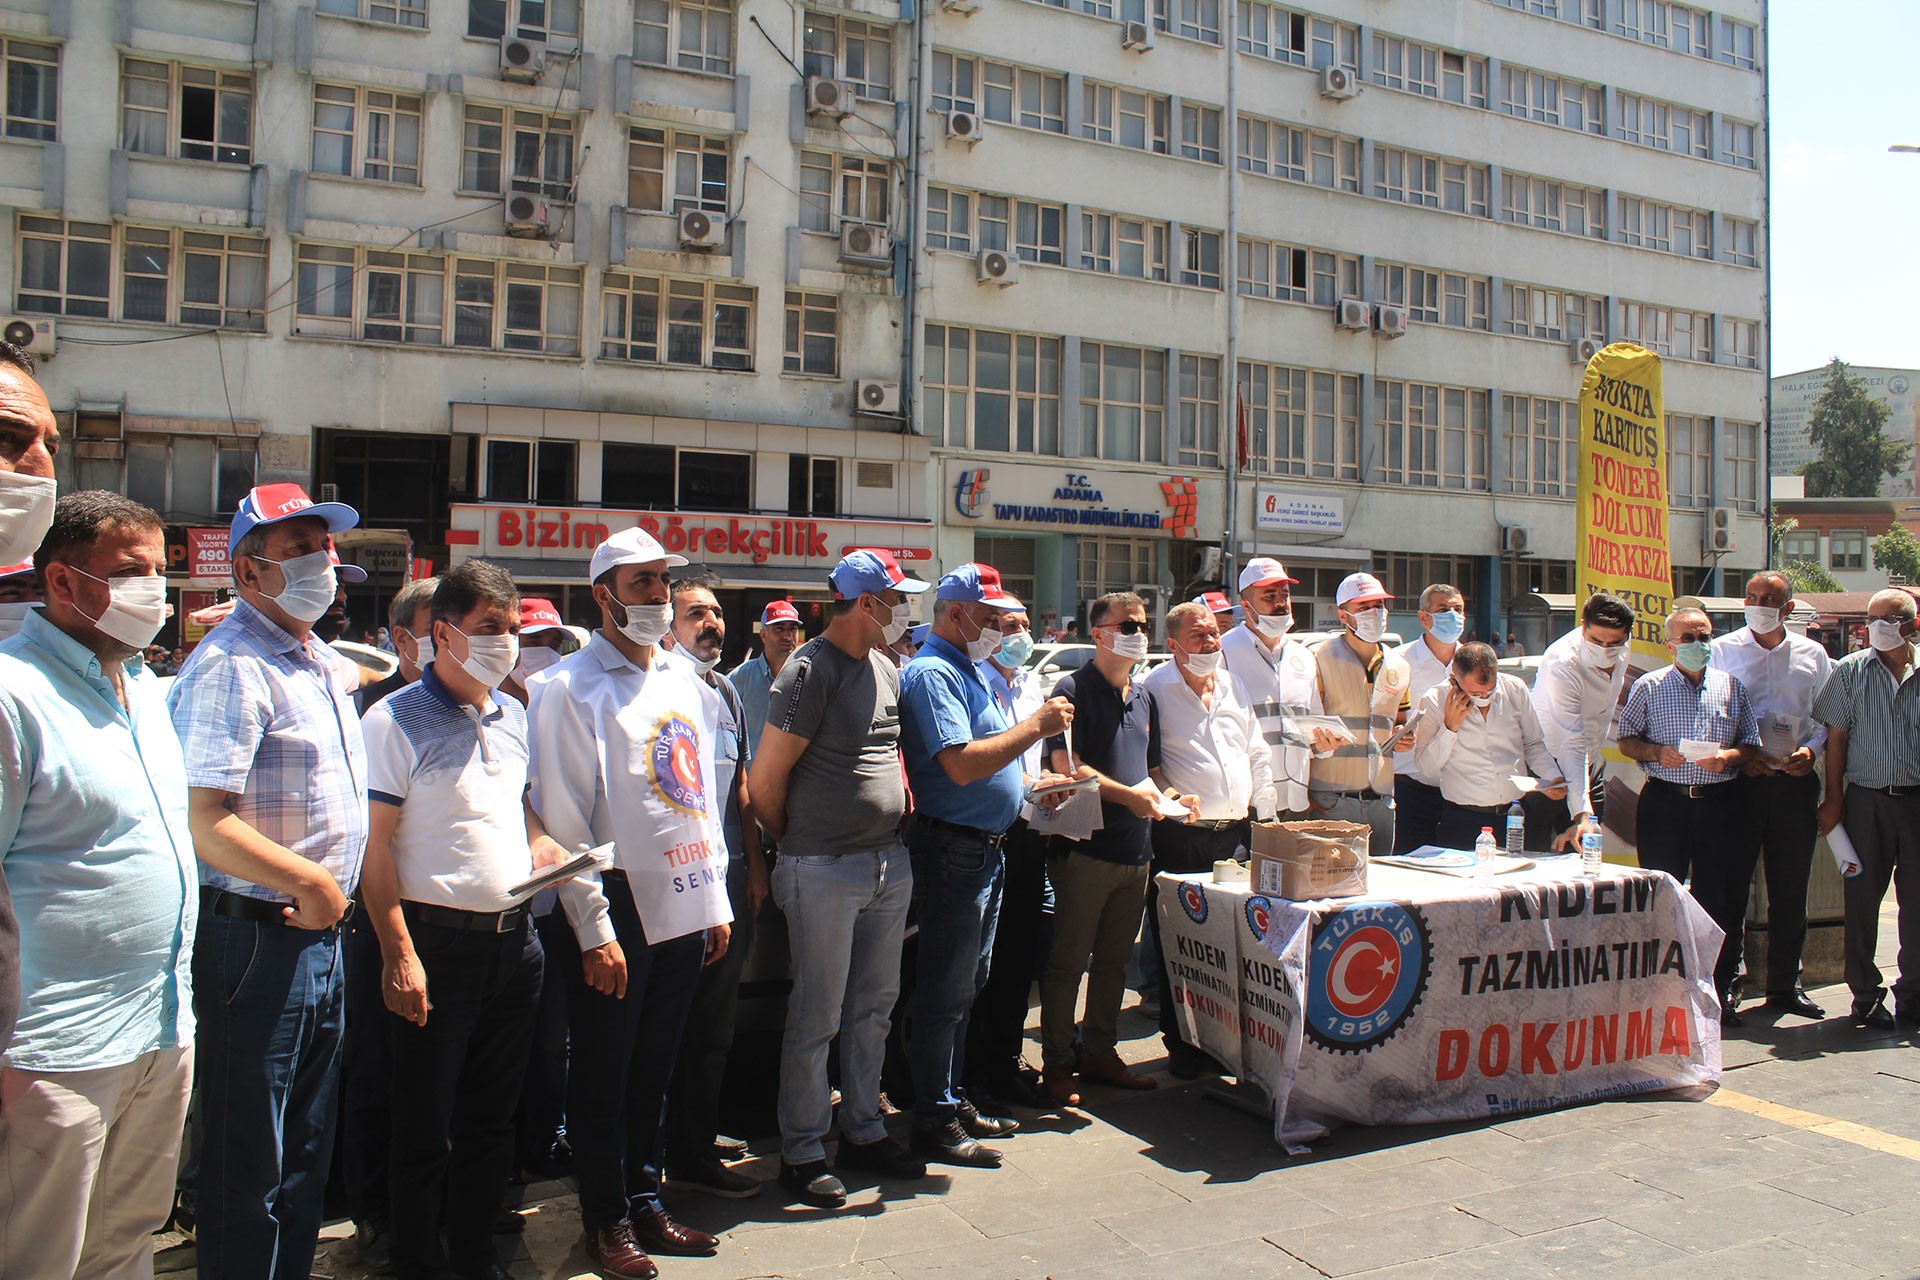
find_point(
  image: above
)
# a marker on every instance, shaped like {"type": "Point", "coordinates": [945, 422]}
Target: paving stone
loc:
{"type": "Point", "coordinates": [1428, 1182]}
{"type": "Point", "coordinates": [1031, 1255]}
{"type": "Point", "coordinates": [1602, 1248]}
{"type": "Point", "coordinates": [1056, 1203]}
{"type": "Point", "coordinates": [1542, 1159]}
{"type": "Point", "coordinates": [1709, 1166]}
{"type": "Point", "coordinates": [1756, 1260]}
{"type": "Point", "coordinates": [1351, 1245]}
{"type": "Point", "coordinates": [1882, 1241]}
{"type": "Point", "coordinates": [1527, 1208]}
{"type": "Point", "coordinates": [1724, 1219]}
{"type": "Point", "coordinates": [1872, 1181]}
{"type": "Point", "coordinates": [1172, 1229]}
{"type": "Point", "coordinates": [1253, 1259]}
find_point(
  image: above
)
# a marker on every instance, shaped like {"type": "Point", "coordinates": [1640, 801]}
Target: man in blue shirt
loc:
{"type": "Point", "coordinates": [963, 763]}
{"type": "Point", "coordinates": [753, 679]}
{"type": "Point", "coordinates": [1692, 727]}
{"type": "Point", "coordinates": [95, 843]}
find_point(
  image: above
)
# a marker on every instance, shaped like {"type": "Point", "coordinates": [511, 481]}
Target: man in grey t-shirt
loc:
{"type": "Point", "coordinates": [826, 783]}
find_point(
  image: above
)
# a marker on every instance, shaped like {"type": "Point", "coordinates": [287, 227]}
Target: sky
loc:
{"type": "Point", "coordinates": [1846, 212]}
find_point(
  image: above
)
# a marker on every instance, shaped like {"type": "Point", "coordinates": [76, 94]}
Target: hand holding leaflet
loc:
{"type": "Point", "coordinates": [596, 859]}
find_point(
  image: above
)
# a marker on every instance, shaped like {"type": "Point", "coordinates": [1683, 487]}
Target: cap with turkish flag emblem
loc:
{"type": "Point", "coordinates": [1214, 601]}
{"type": "Point", "coordinates": [778, 611]}
{"type": "Point", "coordinates": [976, 584]}
{"type": "Point", "coordinates": [538, 615]}
{"type": "Point", "coordinates": [271, 503]}
{"type": "Point", "coordinates": [869, 571]}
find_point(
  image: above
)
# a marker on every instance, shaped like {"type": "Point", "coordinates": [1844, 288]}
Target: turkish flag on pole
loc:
{"type": "Point", "coordinates": [1240, 427]}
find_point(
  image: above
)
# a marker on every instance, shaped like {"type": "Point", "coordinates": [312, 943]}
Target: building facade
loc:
{"type": "Point", "coordinates": [1791, 410]}
{"type": "Point", "coordinates": [1110, 295]}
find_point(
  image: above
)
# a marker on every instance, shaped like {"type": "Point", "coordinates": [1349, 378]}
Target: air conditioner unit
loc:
{"type": "Point", "coordinates": [1354, 314]}
{"type": "Point", "coordinates": [329, 493]}
{"type": "Point", "coordinates": [865, 246]}
{"type": "Point", "coordinates": [1391, 321]}
{"type": "Point", "coordinates": [876, 399]}
{"type": "Point", "coordinates": [996, 266]}
{"type": "Point", "coordinates": [965, 8]}
{"type": "Point", "coordinates": [522, 60]}
{"type": "Point", "coordinates": [32, 334]}
{"type": "Point", "coordinates": [1137, 36]}
{"type": "Point", "coordinates": [700, 229]}
{"type": "Point", "coordinates": [829, 97]}
{"type": "Point", "coordinates": [1338, 83]}
{"type": "Point", "coordinates": [964, 125]}
{"type": "Point", "coordinates": [1513, 538]}
{"type": "Point", "coordinates": [526, 215]}
{"type": "Point", "coordinates": [1720, 538]}
{"type": "Point", "coordinates": [1582, 350]}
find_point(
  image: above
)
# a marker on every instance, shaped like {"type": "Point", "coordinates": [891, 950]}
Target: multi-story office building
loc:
{"type": "Point", "coordinates": [974, 281]}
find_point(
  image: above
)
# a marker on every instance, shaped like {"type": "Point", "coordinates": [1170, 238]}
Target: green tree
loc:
{"type": "Point", "coordinates": [1805, 575]}
{"type": "Point", "coordinates": [1846, 426]}
{"type": "Point", "coordinates": [1897, 552]}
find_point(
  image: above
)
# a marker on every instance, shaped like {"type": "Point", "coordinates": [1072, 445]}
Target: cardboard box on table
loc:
{"type": "Point", "coordinates": [1307, 860]}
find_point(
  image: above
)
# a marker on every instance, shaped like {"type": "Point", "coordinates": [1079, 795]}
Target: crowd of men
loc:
{"type": "Point", "coordinates": [504, 892]}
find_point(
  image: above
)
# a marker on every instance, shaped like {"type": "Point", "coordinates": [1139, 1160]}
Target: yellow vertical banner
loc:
{"type": "Point", "coordinates": [1623, 492]}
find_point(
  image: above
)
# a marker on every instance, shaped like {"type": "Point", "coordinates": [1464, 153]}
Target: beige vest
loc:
{"type": "Point", "coordinates": [1367, 697]}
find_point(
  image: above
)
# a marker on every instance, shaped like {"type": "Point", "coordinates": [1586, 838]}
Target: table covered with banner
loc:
{"type": "Point", "coordinates": [1436, 997]}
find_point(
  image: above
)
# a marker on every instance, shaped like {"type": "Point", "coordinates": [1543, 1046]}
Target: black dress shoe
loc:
{"type": "Point", "coordinates": [1795, 1001]}
{"type": "Point", "coordinates": [813, 1184]}
{"type": "Point", "coordinates": [979, 1126]}
{"type": "Point", "coordinates": [1876, 1017]}
{"type": "Point", "coordinates": [1184, 1062]}
{"type": "Point", "coordinates": [662, 1237]}
{"type": "Point", "coordinates": [948, 1143]}
{"type": "Point", "coordinates": [883, 1156]}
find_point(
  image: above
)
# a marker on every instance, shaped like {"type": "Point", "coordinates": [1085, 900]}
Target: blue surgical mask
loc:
{"type": "Point", "coordinates": [1693, 655]}
{"type": "Point", "coordinates": [1448, 626]}
{"type": "Point", "coordinates": [1015, 649]}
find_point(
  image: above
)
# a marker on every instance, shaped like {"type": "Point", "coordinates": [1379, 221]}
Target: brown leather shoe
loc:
{"type": "Point", "coordinates": [616, 1253]}
{"type": "Point", "coordinates": [659, 1234]}
{"type": "Point", "coordinates": [1110, 1070]}
{"type": "Point", "coordinates": [1058, 1078]}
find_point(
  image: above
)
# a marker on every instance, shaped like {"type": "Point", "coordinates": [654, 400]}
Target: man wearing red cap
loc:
{"type": "Point", "coordinates": [1365, 685]}
{"type": "Point", "coordinates": [753, 679]}
{"type": "Point", "coordinates": [544, 640]}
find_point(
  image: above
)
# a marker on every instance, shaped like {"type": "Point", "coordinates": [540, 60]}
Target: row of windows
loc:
{"type": "Point", "coordinates": [1036, 231]}
{"type": "Point", "coordinates": [1661, 23]}
{"type": "Point", "coordinates": [1846, 548]}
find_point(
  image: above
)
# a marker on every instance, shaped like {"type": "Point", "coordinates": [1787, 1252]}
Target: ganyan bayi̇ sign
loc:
{"type": "Point", "coordinates": [1623, 492]}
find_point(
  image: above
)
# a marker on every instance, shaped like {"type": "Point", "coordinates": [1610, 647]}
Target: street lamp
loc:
{"type": "Point", "coordinates": [1904, 146]}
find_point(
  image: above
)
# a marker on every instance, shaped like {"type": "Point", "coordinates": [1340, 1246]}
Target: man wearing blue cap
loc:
{"type": "Point", "coordinates": [277, 802]}
{"type": "Point", "coordinates": [963, 762]}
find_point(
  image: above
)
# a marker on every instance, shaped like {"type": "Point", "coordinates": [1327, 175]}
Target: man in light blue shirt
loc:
{"type": "Point", "coordinates": [97, 851]}
{"type": "Point", "coordinates": [753, 679]}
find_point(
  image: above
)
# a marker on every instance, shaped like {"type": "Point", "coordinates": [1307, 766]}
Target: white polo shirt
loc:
{"type": "Point", "coordinates": [458, 774]}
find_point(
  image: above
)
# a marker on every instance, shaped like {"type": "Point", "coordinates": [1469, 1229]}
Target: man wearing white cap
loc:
{"type": "Point", "coordinates": [1365, 685]}
{"type": "Point", "coordinates": [1279, 676]}
{"type": "Point", "coordinates": [753, 679]}
{"type": "Point", "coordinates": [277, 778]}
{"type": "Point", "coordinates": [623, 753]}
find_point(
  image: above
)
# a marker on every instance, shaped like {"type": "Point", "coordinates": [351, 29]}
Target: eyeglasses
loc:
{"type": "Point", "coordinates": [1692, 636]}
{"type": "Point", "coordinates": [1130, 627]}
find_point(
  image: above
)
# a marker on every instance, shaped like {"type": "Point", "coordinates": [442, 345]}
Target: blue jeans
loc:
{"type": "Point", "coordinates": [846, 917]}
{"type": "Point", "coordinates": [956, 895]}
{"type": "Point", "coordinates": [271, 1006]}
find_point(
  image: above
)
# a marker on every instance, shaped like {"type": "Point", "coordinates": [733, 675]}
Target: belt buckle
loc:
{"type": "Point", "coordinates": [505, 920]}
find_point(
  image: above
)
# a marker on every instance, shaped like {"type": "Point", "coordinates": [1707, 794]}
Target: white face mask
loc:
{"type": "Point", "coordinates": [425, 644]}
{"type": "Point", "coordinates": [1273, 625]}
{"type": "Point", "coordinates": [12, 616]}
{"type": "Point", "coordinates": [1480, 701]}
{"type": "Point", "coordinates": [26, 513]}
{"type": "Point", "coordinates": [1762, 620]}
{"type": "Point", "coordinates": [1884, 634]}
{"type": "Point", "coordinates": [534, 660]}
{"type": "Point", "coordinates": [1203, 664]}
{"type": "Point", "coordinates": [1133, 647]}
{"type": "Point", "coordinates": [1599, 656]}
{"type": "Point", "coordinates": [490, 659]}
{"type": "Point", "coordinates": [137, 609]}
{"type": "Point", "coordinates": [901, 619]}
{"type": "Point", "coordinates": [310, 587]}
{"type": "Point", "coordinates": [984, 645]}
{"type": "Point", "coordinates": [646, 624]}
{"type": "Point", "coordinates": [1370, 625]}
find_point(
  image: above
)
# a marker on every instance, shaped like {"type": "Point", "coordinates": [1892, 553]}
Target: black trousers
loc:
{"type": "Point", "coordinates": [1459, 826]}
{"type": "Point", "coordinates": [1182, 849]}
{"type": "Point", "coordinates": [1697, 839]}
{"type": "Point", "coordinates": [455, 1081]}
{"type": "Point", "coordinates": [1779, 830]}
{"type": "Point", "coordinates": [695, 1120]}
{"type": "Point", "coordinates": [543, 1093]}
{"type": "Point", "coordinates": [998, 1026]}
{"type": "Point", "coordinates": [1416, 814]}
{"type": "Point", "coordinates": [366, 1075]}
{"type": "Point", "coordinates": [622, 1060]}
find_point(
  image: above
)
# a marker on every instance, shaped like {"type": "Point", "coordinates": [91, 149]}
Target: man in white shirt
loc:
{"type": "Point", "coordinates": [1779, 793]}
{"type": "Point", "coordinates": [1575, 693]}
{"type": "Point", "coordinates": [1279, 678]}
{"type": "Point", "coordinates": [623, 753]}
{"type": "Point", "coordinates": [461, 971]}
{"type": "Point", "coordinates": [1476, 732]}
{"type": "Point", "coordinates": [1416, 794]}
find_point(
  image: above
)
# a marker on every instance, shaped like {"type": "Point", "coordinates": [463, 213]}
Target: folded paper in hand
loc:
{"type": "Point", "coordinates": [1697, 749]}
{"type": "Point", "coordinates": [1845, 856]}
{"type": "Point", "coordinates": [1077, 818]}
{"type": "Point", "coordinates": [596, 859]}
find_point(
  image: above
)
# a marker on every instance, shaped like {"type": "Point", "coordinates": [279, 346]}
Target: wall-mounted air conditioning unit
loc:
{"type": "Point", "coordinates": [1338, 83]}
{"type": "Point", "coordinates": [526, 215]}
{"type": "Point", "coordinates": [1720, 538]}
{"type": "Point", "coordinates": [996, 266]}
{"type": "Point", "coordinates": [32, 334]}
{"type": "Point", "coordinates": [964, 126]}
{"type": "Point", "coordinates": [1137, 36]}
{"type": "Point", "coordinates": [829, 97]}
{"type": "Point", "coordinates": [522, 60]}
{"type": "Point", "coordinates": [1391, 321]}
{"type": "Point", "coordinates": [1352, 313]}
{"type": "Point", "coordinates": [1582, 350]}
{"type": "Point", "coordinates": [700, 229]}
{"type": "Point", "coordinates": [1513, 538]}
{"type": "Point", "coordinates": [877, 399]}
{"type": "Point", "coordinates": [865, 246]}
{"type": "Point", "coordinates": [965, 8]}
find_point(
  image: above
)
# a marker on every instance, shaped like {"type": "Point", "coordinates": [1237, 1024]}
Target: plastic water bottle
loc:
{"type": "Point", "coordinates": [1590, 849]}
{"type": "Point", "coordinates": [1484, 850]}
{"type": "Point", "coordinates": [1516, 832]}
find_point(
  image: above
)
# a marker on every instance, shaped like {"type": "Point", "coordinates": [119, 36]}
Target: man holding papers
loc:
{"type": "Point", "coordinates": [1778, 791]}
{"type": "Point", "coordinates": [449, 838]}
{"type": "Point", "coordinates": [1477, 731]}
{"type": "Point", "coordinates": [1692, 729]}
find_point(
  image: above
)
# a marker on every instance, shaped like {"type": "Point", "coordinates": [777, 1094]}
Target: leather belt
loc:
{"type": "Point", "coordinates": [1693, 791]}
{"type": "Point", "coordinates": [1368, 794]}
{"type": "Point", "coordinates": [1896, 791]}
{"type": "Point", "coordinates": [992, 839]}
{"type": "Point", "coordinates": [239, 906]}
{"type": "Point", "coordinates": [467, 921]}
{"type": "Point", "coordinates": [1214, 824]}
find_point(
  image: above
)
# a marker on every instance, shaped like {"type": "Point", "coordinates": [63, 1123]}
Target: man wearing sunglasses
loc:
{"type": "Point", "coordinates": [1575, 693]}
{"type": "Point", "coordinates": [1692, 729]}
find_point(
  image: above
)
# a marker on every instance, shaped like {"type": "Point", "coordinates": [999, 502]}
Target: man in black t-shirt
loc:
{"type": "Point", "coordinates": [1099, 884]}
